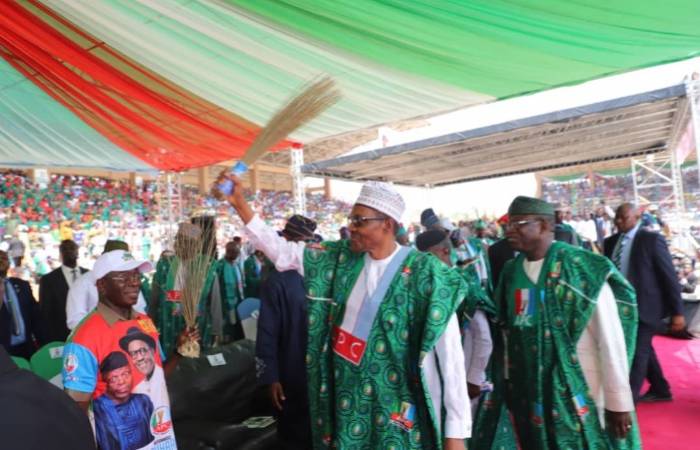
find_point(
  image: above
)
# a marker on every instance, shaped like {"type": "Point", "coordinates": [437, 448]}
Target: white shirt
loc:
{"type": "Point", "coordinates": [588, 230]}
{"type": "Point", "coordinates": [68, 274]}
{"type": "Point", "coordinates": [82, 299]}
{"type": "Point", "coordinates": [601, 351]}
{"type": "Point", "coordinates": [477, 346]}
{"type": "Point", "coordinates": [154, 388]}
{"type": "Point", "coordinates": [448, 351]}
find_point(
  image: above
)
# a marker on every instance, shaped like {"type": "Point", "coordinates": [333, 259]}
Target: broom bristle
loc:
{"type": "Point", "coordinates": [303, 108]}
{"type": "Point", "coordinates": [195, 268]}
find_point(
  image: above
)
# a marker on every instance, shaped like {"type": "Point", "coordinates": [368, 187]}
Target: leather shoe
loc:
{"type": "Point", "coordinates": [653, 397]}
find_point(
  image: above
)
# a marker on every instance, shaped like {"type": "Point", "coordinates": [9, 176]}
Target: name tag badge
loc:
{"type": "Point", "coordinates": [348, 346]}
{"type": "Point", "coordinates": [173, 296]}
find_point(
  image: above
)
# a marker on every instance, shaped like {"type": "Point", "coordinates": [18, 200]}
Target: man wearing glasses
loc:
{"type": "Point", "coordinates": [99, 343]}
{"type": "Point", "coordinates": [567, 322]}
{"type": "Point", "coordinates": [141, 349]}
{"type": "Point", "coordinates": [384, 361]}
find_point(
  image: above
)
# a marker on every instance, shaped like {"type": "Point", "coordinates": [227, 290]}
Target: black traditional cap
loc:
{"type": "Point", "coordinates": [113, 361]}
{"type": "Point", "coordinates": [428, 218]}
{"type": "Point", "coordinates": [430, 238]}
{"type": "Point", "coordinates": [299, 228]}
{"type": "Point", "coordinates": [135, 334]}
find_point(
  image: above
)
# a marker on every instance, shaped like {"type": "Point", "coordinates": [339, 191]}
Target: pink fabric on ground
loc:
{"type": "Point", "coordinates": [674, 425]}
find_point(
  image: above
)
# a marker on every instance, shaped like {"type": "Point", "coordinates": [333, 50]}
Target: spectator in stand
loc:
{"type": "Point", "coordinates": [16, 250]}
{"type": "Point", "coordinates": [688, 279]}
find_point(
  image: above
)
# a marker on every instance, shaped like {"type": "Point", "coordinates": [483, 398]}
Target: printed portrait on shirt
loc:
{"type": "Point", "coordinates": [121, 364]}
{"type": "Point", "coordinates": [122, 418]}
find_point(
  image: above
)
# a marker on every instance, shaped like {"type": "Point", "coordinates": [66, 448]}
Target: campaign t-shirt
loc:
{"type": "Point", "coordinates": [119, 362]}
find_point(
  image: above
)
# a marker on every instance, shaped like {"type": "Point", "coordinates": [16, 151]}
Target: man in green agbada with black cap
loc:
{"type": "Point", "coordinates": [567, 321]}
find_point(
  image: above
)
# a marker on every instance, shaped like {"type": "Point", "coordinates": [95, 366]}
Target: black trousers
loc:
{"type": "Point", "coordinates": [646, 365]}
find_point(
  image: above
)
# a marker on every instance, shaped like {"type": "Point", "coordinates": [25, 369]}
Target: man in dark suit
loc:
{"type": "Point", "coordinates": [643, 257]}
{"type": "Point", "coordinates": [53, 290]}
{"type": "Point", "coordinates": [19, 318]}
{"type": "Point", "coordinates": [499, 253]}
{"type": "Point", "coordinates": [281, 344]}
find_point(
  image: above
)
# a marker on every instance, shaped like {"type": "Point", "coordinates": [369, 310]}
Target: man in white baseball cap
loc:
{"type": "Point", "coordinates": [82, 295]}
{"type": "Point", "coordinates": [89, 375]}
{"type": "Point", "coordinates": [384, 362]}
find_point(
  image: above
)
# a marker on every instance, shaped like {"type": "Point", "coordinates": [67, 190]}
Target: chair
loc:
{"type": "Point", "coordinates": [47, 362]}
{"type": "Point", "coordinates": [21, 363]}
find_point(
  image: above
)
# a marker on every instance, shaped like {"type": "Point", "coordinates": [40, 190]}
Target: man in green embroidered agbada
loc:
{"type": "Point", "coordinates": [384, 361]}
{"type": "Point", "coordinates": [476, 336]}
{"type": "Point", "coordinates": [230, 283]}
{"type": "Point", "coordinates": [561, 361]}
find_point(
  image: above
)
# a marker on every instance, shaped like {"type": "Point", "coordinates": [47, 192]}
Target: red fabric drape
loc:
{"type": "Point", "coordinates": [164, 125]}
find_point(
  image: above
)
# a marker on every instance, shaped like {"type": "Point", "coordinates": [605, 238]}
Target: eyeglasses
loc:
{"type": "Point", "coordinates": [358, 221]}
{"type": "Point", "coordinates": [519, 224]}
{"type": "Point", "coordinates": [143, 351]}
{"type": "Point", "coordinates": [124, 277]}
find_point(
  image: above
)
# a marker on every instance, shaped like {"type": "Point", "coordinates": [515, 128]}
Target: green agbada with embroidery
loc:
{"type": "Point", "coordinates": [535, 366]}
{"type": "Point", "coordinates": [231, 288]}
{"type": "Point", "coordinates": [352, 406]}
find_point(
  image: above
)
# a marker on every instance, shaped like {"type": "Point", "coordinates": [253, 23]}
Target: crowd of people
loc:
{"type": "Point", "coordinates": [530, 331]}
{"type": "Point", "coordinates": [35, 218]}
{"type": "Point", "coordinates": [585, 192]}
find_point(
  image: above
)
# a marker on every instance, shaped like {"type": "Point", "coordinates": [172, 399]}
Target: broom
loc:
{"type": "Point", "coordinates": [195, 266]}
{"type": "Point", "coordinates": [311, 102]}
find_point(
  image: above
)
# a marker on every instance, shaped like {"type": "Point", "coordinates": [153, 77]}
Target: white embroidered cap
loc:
{"type": "Point", "coordinates": [382, 197]}
{"type": "Point", "coordinates": [117, 261]}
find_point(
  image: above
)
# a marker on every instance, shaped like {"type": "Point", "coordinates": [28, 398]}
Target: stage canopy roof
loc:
{"type": "Point", "coordinates": [173, 84]}
{"type": "Point", "coordinates": [639, 124]}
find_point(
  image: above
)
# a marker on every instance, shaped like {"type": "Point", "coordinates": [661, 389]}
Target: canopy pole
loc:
{"type": "Point", "coordinates": [692, 88]}
{"type": "Point", "coordinates": [297, 157]}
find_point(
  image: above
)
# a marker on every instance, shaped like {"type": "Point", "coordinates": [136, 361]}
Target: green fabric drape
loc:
{"type": "Point", "coordinates": [500, 48]}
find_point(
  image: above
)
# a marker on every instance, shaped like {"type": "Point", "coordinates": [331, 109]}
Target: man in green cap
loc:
{"type": "Point", "coordinates": [567, 320]}
{"type": "Point", "coordinates": [230, 284]}
{"type": "Point", "coordinates": [481, 233]}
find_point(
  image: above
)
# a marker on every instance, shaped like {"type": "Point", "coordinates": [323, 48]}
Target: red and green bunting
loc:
{"type": "Point", "coordinates": [173, 85]}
